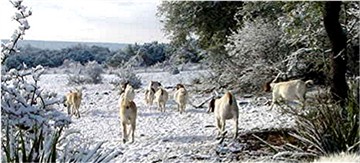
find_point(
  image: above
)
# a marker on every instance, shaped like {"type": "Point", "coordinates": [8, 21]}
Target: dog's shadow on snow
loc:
{"type": "Point", "coordinates": [188, 138]}
{"type": "Point", "coordinates": [100, 113]}
{"type": "Point", "coordinates": [168, 112]}
{"type": "Point", "coordinates": [194, 110]}
{"type": "Point", "coordinates": [155, 113]}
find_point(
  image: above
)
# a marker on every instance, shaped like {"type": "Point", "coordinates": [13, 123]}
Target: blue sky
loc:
{"type": "Point", "coordinates": [119, 21]}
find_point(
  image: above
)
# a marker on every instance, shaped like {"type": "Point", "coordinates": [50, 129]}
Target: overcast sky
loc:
{"type": "Point", "coordinates": [119, 21]}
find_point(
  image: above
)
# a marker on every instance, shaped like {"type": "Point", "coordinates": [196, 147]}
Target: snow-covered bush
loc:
{"type": "Point", "coordinates": [76, 79]}
{"type": "Point", "coordinates": [20, 16]}
{"type": "Point", "coordinates": [32, 124]}
{"type": "Point", "coordinates": [90, 73]}
{"type": "Point", "coordinates": [255, 52]}
{"type": "Point", "coordinates": [29, 113]}
{"type": "Point", "coordinates": [93, 72]}
{"type": "Point", "coordinates": [126, 75]}
{"type": "Point", "coordinates": [257, 42]}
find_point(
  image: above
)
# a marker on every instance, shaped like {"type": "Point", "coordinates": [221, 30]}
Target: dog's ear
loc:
{"type": "Point", "coordinates": [211, 106]}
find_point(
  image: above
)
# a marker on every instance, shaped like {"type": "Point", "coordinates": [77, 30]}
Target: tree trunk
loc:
{"type": "Point", "coordinates": [337, 38]}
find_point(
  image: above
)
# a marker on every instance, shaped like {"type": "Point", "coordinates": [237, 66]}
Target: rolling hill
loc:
{"type": "Point", "coordinates": [56, 45]}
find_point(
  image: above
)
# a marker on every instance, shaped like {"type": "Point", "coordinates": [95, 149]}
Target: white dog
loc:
{"type": "Point", "coordinates": [293, 90]}
{"type": "Point", "coordinates": [128, 112]}
{"type": "Point", "coordinates": [149, 96]}
{"type": "Point", "coordinates": [161, 97]}
{"type": "Point", "coordinates": [180, 97]}
{"type": "Point", "coordinates": [73, 101]}
{"type": "Point", "coordinates": [225, 108]}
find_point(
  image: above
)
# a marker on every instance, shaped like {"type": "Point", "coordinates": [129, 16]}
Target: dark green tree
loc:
{"type": "Point", "coordinates": [207, 21]}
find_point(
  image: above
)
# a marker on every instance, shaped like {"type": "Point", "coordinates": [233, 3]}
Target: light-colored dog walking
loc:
{"type": "Point", "coordinates": [161, 97]}
{"type": "Point", "coordinates": [225, 108]}
{"type": "Point", "coordinates": [149, 96]}
{"type": "Point", "coordinates": [293, 90]}
{"type": "Point", "coordinates": [128, 113]}
{"type": "Point", "coordinates": [73, 101]}
{"type": "Point", "coordinates": [180, 97]}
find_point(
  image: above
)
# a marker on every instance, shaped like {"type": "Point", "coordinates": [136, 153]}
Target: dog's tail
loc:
{"type": "Point", "coordinates": [211, 105]}
{"type": "Point", "coordinates": [230, 96]}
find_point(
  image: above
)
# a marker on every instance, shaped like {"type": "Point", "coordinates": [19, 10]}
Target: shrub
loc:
{"type": "Point", "coordinates": [173, 70]}
{"type": "Point", "coordinates": [330, 128]}
{"type": "Point", "coordinates": [32, 127]}
{"type": "Point", "coordinates": [76, 79]}
{"type": "Point", "coordinates": [90, 73]}
{"type": "Point", "coordinates": [93, 72]}
{"type": "Point", "coordinates": [254, 52]}
{"type": "Point", "coordinates": [30, 124]}
{"type": "Point", "coordinates": [126, 75]}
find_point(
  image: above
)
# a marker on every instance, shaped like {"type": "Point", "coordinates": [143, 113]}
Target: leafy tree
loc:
{"type": "Point", "coordinates": [141, 55]}
{"type": "Point", "coordinates": [101, 54]}
{"type": "Point", "coordinates": [118, 59]}
{"type": "Point", "coordinates": [207, 21]}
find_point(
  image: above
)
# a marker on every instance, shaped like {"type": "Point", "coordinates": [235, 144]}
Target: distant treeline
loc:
{"type": "Point", "coordinates": [146, 54]}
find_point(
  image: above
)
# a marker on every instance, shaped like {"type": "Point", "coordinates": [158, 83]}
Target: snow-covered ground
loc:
{"type": "Point", "coordinates": [169, 136]}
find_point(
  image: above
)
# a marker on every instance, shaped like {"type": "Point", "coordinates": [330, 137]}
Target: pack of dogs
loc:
{"type": "Point", "coordinates": [224, 107]}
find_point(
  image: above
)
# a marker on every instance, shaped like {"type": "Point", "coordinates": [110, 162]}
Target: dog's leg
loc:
{"type": "Point", "coordinates": [73, 111]}
{"type": "Point", "coordinates": [218, 126]}
{"type": "Point", "coordinates": [78, 111]}
{"type": "Point", "coordinates": [69, 109]}
{"type": "Point", "coordinates": [236, 122]}
{"type": "Point", "coordinates": [133, 126]}
{"type": "Point", "coordinates": [124, 132]}
{"type": "Point", "coordinates": [222, 122]}
{"type": "Point", "coordinates": [164, 106]}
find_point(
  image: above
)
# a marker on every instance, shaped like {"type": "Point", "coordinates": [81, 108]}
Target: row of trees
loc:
{"type": "Point", "coordinates": [133, 55]}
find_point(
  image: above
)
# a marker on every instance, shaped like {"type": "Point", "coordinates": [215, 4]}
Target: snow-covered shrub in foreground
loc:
{"type": "Point", "coordinates": [28, 116]}
{"type": "Point", "coordinates": [20, 16]}
{"type": "Point", "coordinates": [32, 125]}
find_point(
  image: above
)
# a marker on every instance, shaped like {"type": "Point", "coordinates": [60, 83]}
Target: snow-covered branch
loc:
{"type": "Point", "coordinates": [21, 15]}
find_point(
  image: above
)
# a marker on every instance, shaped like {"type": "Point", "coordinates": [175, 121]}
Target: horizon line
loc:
{"type": "Point", "coordinates": [77, 41]}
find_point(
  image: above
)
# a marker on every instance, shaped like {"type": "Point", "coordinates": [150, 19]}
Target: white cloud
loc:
{"type": "Point", "coordinates": [89, 20]}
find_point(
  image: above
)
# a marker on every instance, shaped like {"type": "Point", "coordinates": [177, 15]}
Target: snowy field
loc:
{"type": "Point", "coordinates": [159, 137]}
